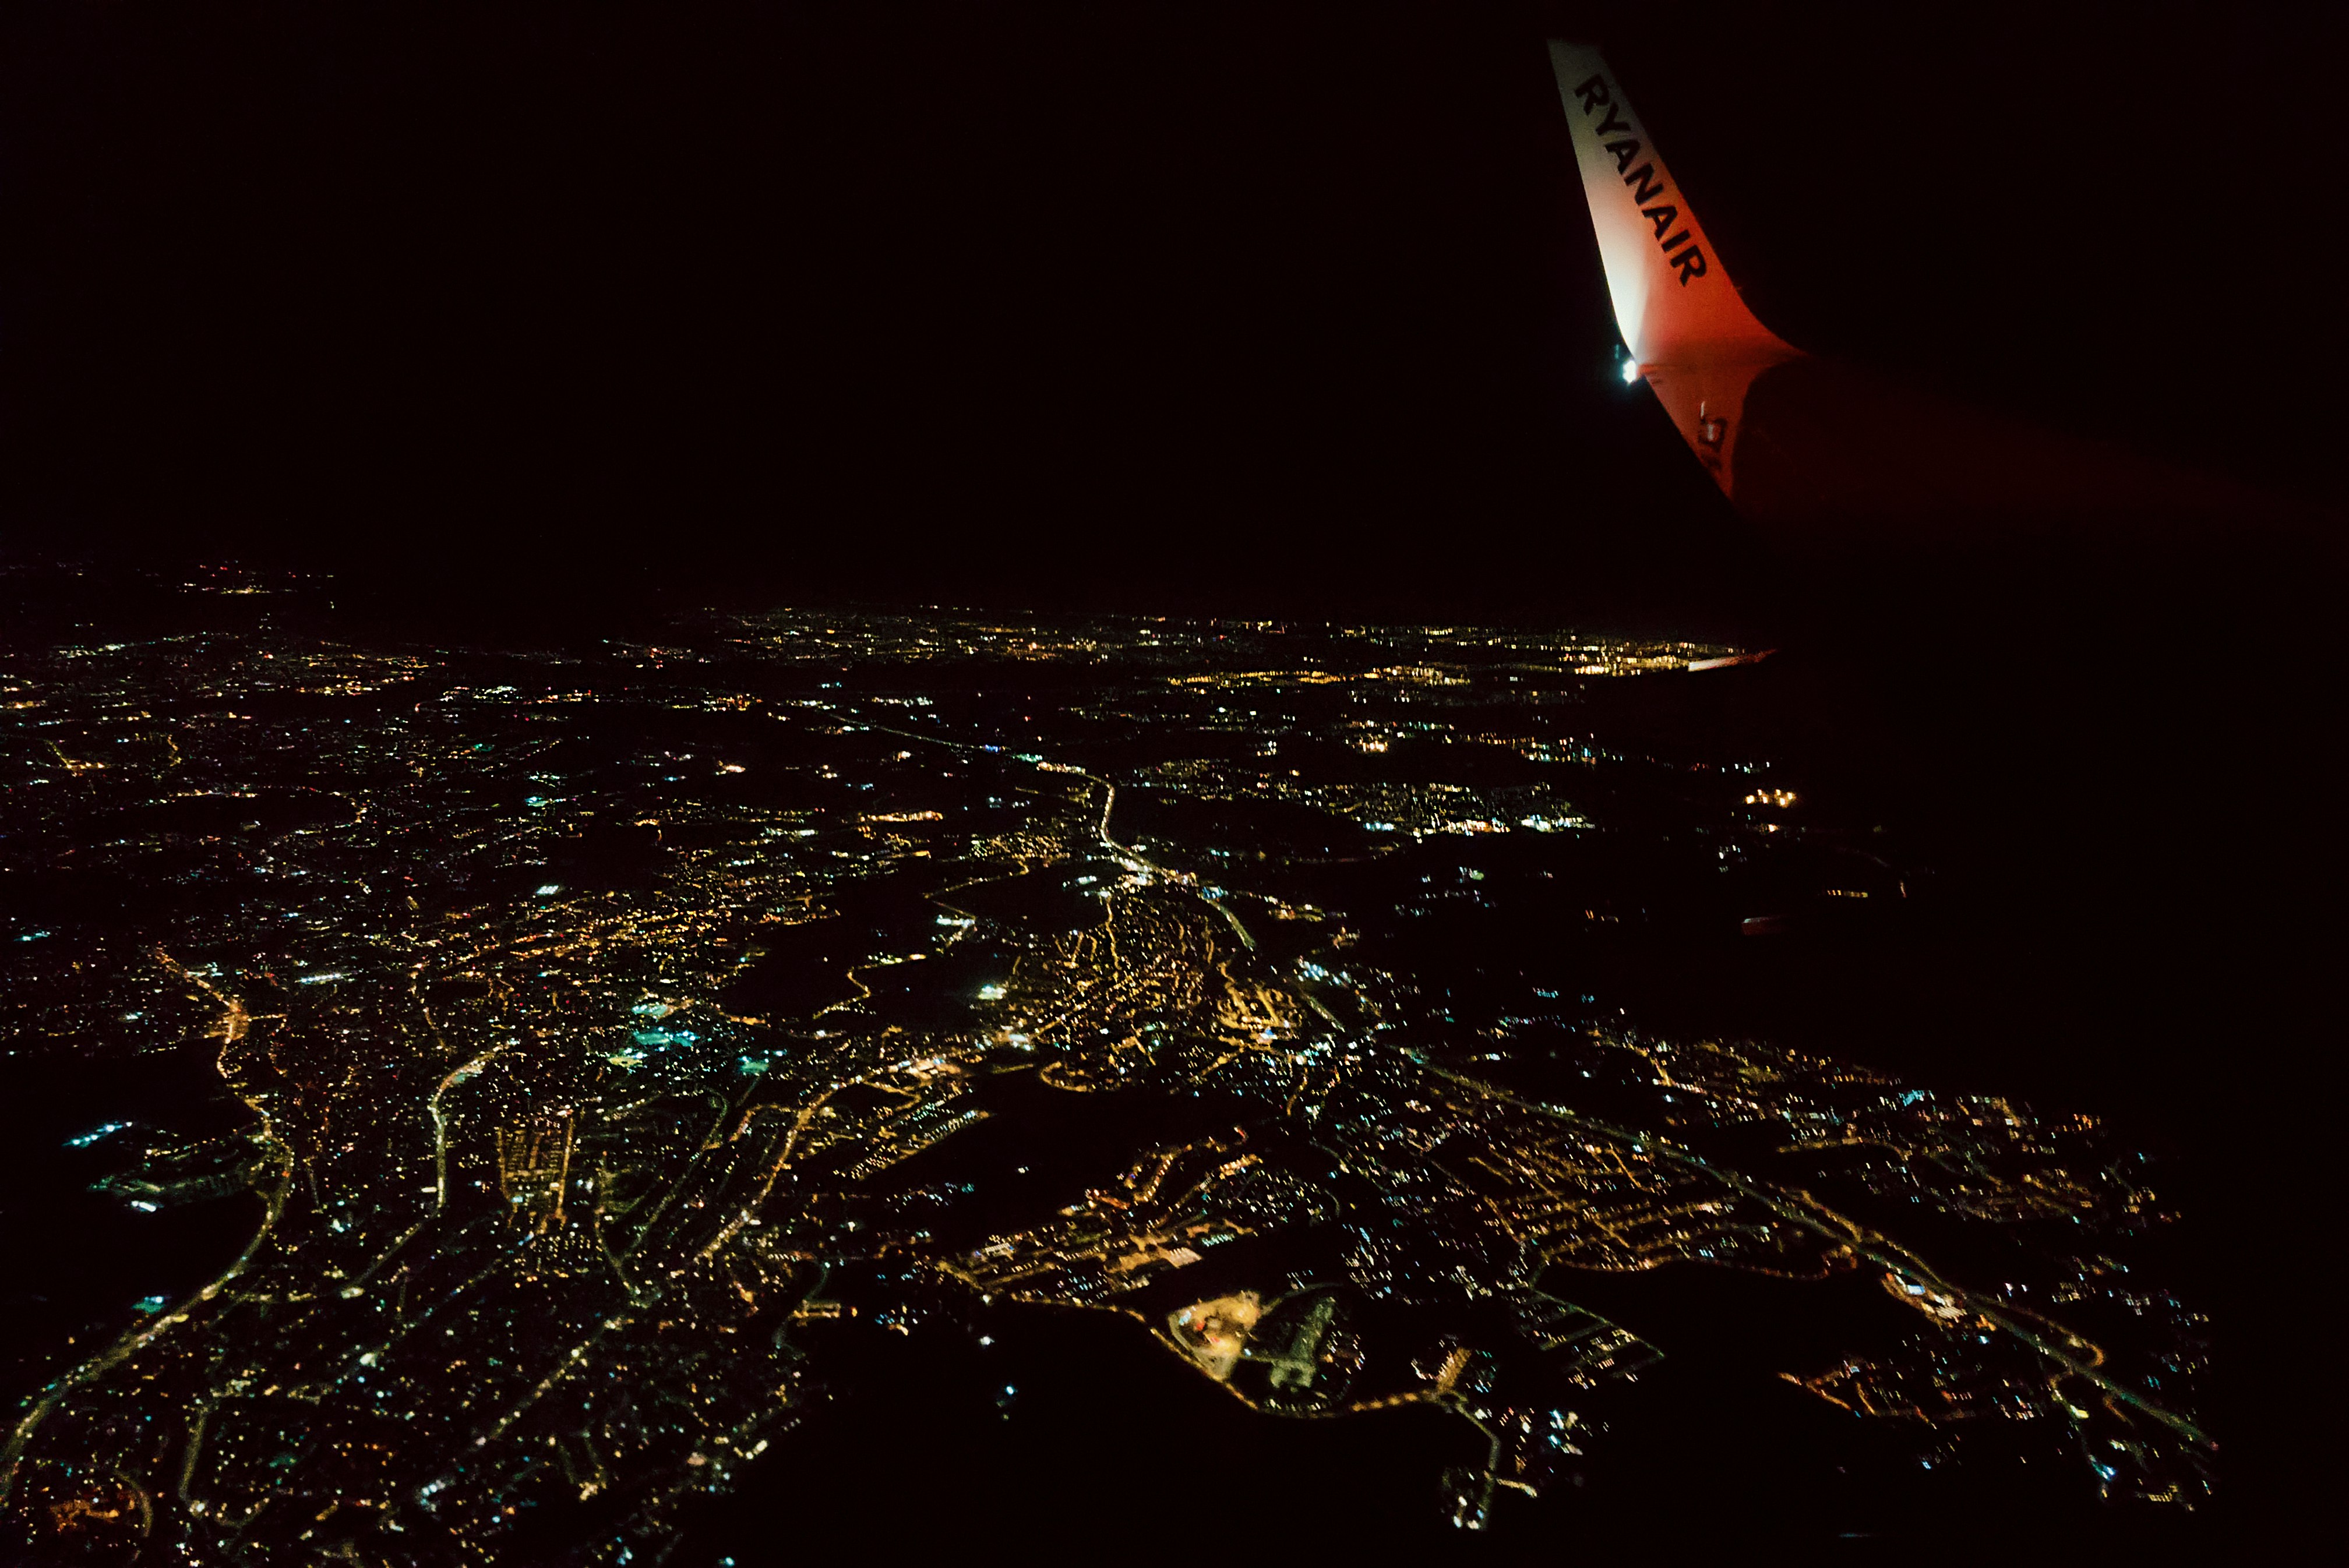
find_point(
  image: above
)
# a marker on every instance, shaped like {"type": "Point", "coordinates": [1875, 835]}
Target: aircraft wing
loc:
{"type": "Point", "coordinates": [1687, 331]}
{"type": "Point", "coordinates": [1801, 442]}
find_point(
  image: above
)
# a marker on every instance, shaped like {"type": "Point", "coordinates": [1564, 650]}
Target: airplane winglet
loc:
{"type": "Point", "coordinates": [1689, 333]}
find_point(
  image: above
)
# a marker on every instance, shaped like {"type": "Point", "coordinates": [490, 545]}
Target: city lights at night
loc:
{"type": "Point", "coordinates": [1156, 784]}
{"type": "Point", "coordinates": [607, 1039]}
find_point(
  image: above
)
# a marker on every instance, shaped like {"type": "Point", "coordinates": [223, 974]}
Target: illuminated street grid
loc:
{"type": "Point", "coordinates": [608, 1022]}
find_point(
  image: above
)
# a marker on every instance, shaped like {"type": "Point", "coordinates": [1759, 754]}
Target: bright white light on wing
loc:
{"type": "Point", "coordinates": [1631, 371]}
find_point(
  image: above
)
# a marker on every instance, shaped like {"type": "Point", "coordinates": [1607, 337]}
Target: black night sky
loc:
{"type": "Point", "coordinates": [1228, 311]}
{"type": "Point", "coordinates": [547, 315]}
